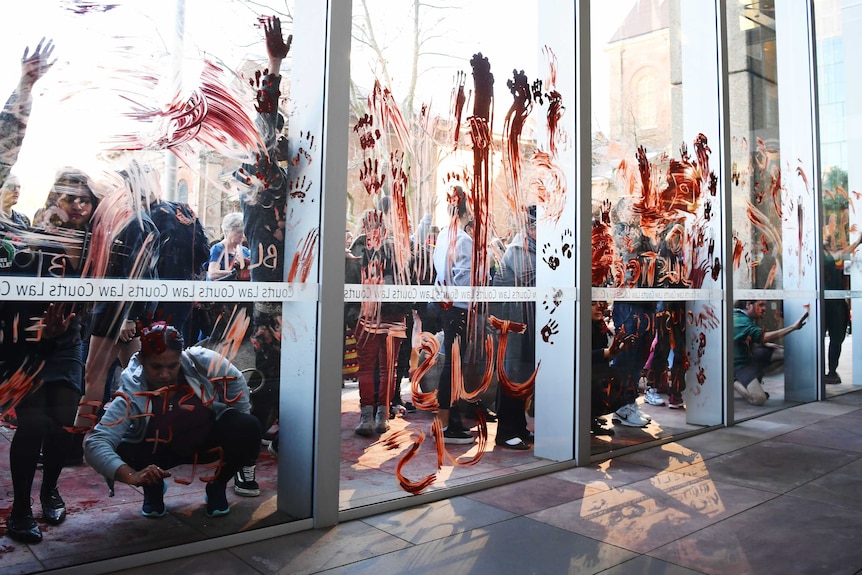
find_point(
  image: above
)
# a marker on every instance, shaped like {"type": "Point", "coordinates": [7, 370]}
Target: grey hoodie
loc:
{"type": "Point", "coordinates": [119, 424]}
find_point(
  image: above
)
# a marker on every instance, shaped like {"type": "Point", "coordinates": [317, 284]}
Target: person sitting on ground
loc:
{"type": "Point", "coordinates": [751, 352]}
{"type": "Point", "coordinates": [175, 406]}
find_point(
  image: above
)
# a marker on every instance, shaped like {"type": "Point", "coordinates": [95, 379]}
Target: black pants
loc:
{"type": "Point", "coordinates": [835, 319]}
{"type": "Point", "coordinates": [238, 434]}
{"type": "Point", "coordinates": [454, 325]}
{"type": "Point", "coordinates": [41, 417]}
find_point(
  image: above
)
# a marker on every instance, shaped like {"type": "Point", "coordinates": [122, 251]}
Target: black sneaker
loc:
{"type": "Point", "coordinates": [457, 437]}
{"type": "Point", "coordinates": [244, 483]}
{"type": "Point", "coordinates": [216, 500]}
{"type": "Point", "coordinates": [53, 507]}
{"type": "Point", "coordinates": [490, 415]}
{"type": "Point", "coordinates": [832, 379]}
{"type": "Point", "coordinates": [154, 500]}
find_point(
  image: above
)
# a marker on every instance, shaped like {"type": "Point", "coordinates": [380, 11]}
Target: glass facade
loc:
{"type": "Point", "coordinates": [508, 178]}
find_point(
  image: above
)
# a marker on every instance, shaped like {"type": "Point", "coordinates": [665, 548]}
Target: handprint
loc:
{"type": "Point", "coordinates": [306, 145]}
{"type": "Point", "coordinates": [367, 135]}
{"type": "Point", "coordinates": [550, 329]}
{"type": "Point", "coordinates": [372, 273]}
{"type": "Point", "coordinates": [480, 132]}
{"type": "Point", "coordinates": [552, 260]}
{"type": "Point", "coordinates": [299, 188]}
{"type": "Point", "coordinates": [568, 243]}
{"type": "Point", "coordinates": [536, 90]}
{"type": "Point", "coordinates": [556, 300]}
{"type": "Point", "coordinates": [370, 177]}
{"type": "Point", "coordinates": [265, 102]}
{"type": "Point", "coordinates": [374, 229]}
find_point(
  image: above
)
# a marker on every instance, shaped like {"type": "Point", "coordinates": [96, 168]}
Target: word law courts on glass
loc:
{"type": "Point", "coordinates": [49, 289]}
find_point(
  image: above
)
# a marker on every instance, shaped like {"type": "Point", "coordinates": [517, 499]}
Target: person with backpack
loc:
{"type": "Point", "coordinates": [183, 252]}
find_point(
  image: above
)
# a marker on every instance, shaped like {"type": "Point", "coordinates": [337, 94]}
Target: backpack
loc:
{"type": "Point", "coordinates": [184, 244]}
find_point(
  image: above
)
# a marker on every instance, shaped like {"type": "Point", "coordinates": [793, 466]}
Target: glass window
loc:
{"type": "Point", "coordinates": [144, 238]}
{"type": "Point", "coordinates": [457, 206]}
{"type": "Point", "coordinates": [656, 222]}
{"type": "Point", "coordinates": [774, 228]}
{"type": "Point", "coordinates": [838, 180]}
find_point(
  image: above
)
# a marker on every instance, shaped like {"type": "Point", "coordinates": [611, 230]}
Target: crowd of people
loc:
{"type": "Point", "coordinates": [177, 403]}
{"type": "Point", "coordinates": [174, 402]}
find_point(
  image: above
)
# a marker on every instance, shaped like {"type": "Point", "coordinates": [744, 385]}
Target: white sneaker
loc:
{"type": "Point", "coordinates": [637, 409]}
{"type": "Point", "coordinates": [653, 397]}
{"type": "Point", "coordinates": [631, 416]}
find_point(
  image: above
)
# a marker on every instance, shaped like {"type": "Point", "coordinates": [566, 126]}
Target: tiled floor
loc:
{"type": "Point", "coordinates": [652, 503]}
{"type": "Point", "coordinates": [777, 494]}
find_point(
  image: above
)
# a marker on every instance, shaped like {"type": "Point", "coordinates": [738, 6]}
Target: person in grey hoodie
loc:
{"type": "Point", "coordinates": [175, 406]}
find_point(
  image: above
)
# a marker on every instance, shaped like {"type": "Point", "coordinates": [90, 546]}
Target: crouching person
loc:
{"type": "Point", "coordinates": [175, 406]}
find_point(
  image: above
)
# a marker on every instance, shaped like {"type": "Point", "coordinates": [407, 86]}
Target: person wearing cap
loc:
{"type": "Point", "coordinates": [175, 406]}
{"type": "Point", "coordinates": [518, 269]}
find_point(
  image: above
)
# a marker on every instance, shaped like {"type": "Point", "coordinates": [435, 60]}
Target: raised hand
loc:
{"type": "Point", "coordinates": [37, 64]}
{"type": "Point", "coordinates": [276, 47]}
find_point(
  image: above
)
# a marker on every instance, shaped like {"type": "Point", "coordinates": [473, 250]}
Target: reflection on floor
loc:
{"type": "Point", "coordinates": [102, 527]}
{"type": "Point", "coordinates": [368, 466]}
{"type": "Point", "coordinates": [777, 494]}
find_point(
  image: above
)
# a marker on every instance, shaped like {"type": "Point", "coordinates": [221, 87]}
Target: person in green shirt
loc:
{"type": "Point", "coordinates": [750, 354]}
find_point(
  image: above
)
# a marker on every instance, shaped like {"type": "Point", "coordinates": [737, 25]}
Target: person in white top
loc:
{"type": "Point", "coordinates": [453, 257]}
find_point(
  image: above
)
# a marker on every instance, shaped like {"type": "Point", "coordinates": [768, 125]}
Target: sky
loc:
{"type": "Point", "coordinates": [105, 63]}
{"type": "Point", "coordinates": [105, 59]}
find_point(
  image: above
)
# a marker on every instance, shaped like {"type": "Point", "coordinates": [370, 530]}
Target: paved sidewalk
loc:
{"type": "Point", "coordinates": [777, 494]}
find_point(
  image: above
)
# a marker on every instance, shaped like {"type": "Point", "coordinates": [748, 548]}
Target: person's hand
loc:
{"type": "Point", "coordinates": [801, 321]}
{"type": "Point", "coordinates": [276, 47]}
{"type": "Point", "coordinates": [36, 65]}
{"type": "Point", "coordinates": [149, 475]}
{"type": "Point", "coordinates": [621, 341]}
{"type": "Point", "coordinates": [54, 322]}
{"type": "Point", "coordinates": [128, 331]}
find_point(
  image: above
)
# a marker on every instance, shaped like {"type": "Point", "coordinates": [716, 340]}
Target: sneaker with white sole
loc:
{"type": "Point", "coordinates": [631, 416]}
{"type": "Point", "coordinates": [652, 397]}
{"type": "Point", "coordinates": [637, 409]}
{"type": "Point", "coordinates": [457, 437]}
{"type": "Point", "coordinates": [675, 401]}
{"type": "Point", "coordinates": [244, 483]}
